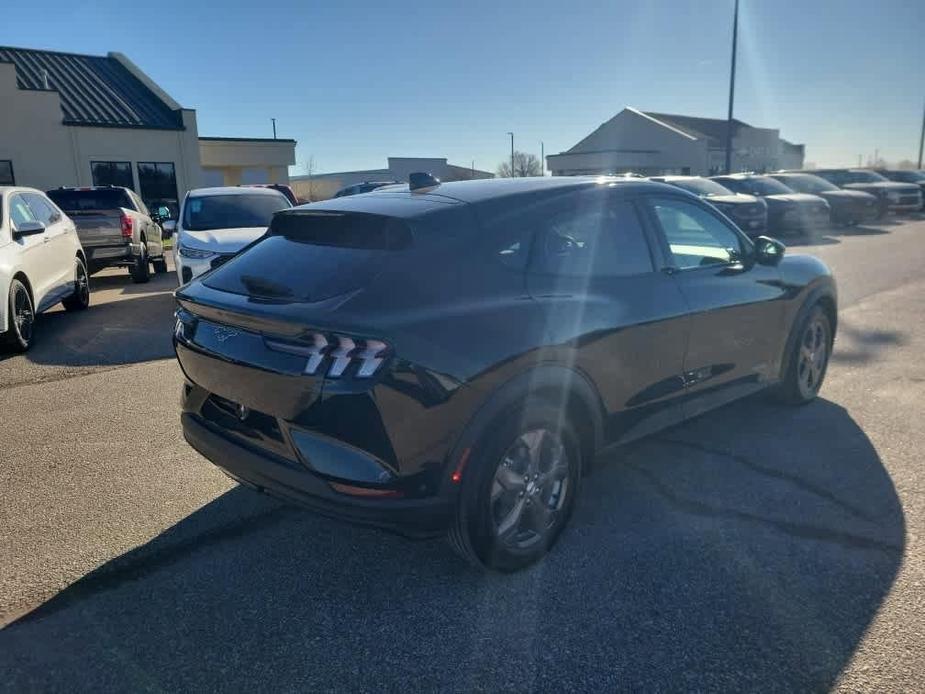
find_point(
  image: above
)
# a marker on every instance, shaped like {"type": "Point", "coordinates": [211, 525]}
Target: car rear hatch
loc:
{"type": "Point", "coordinates": [97, 213]}
{"type": "Point", "coordinates": [266, 330]}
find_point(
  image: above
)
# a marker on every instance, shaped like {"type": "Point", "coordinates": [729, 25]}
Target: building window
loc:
{"type": "Point", "coordinates": [6, 173]}
{"type": "Point", "coordinates": [112, 173]}
{"type": "Point", "coordinates": [158, 182]}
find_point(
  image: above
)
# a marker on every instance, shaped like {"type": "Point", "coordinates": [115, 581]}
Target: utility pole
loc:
{"type": "Point", "coordinates": [732, 86]}
{"type": "Point", "coordinates": [512, 154]}
{"type": "Point", "coordinates": [473, 168]}
{"type": "Point", "coordinates": [922, 138]}
{"type": "Point", "coordinates": [859, 161]}
{"type": "Point", "coordinates": [274, 127]}
{"type": "Point", "coordinates": [542, 159]}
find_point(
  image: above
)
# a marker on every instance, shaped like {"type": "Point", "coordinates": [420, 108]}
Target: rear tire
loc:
{"type": "Point", "coordinates": [518, 490]}
{"type": "Point", "coordinates": [20, 318]}
{"type": "Point", "coordinates": [809, 360]}
{"type": "Point", "coordinates": [141, 270]}
{"type": "Point", "coordinates": [80, 299]}
{"type": "Point", "coordinates": [160, 265]}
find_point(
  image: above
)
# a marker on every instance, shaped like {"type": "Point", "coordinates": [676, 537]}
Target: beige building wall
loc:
{"type": "Point", "coordinates": [47, 154]}
{"type": "Point", "coordinates": [235, 161]}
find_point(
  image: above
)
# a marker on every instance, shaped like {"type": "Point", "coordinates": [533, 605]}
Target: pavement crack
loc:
{"type": "Point", "coordinates": [142, 561]}
{"type": "Point", "coordinates": [798, 530]}
{"type": "Point", "coordinates": [795, 480]}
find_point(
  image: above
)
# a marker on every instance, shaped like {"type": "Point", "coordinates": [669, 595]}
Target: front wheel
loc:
{"type": "Point", "coordinates": [20, 318]}
{"type": "Point", "coordinates": [80, 299]}
{"type": "Point", "coordinates": [809, 359]}
{"type": "Point", "coordinates": [519, 490]}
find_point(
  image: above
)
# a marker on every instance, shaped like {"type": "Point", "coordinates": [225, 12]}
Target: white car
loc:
{"type": "Point", "coordinates": [216, 223]}
{"type": "Point", "coordinates": [41, 263]}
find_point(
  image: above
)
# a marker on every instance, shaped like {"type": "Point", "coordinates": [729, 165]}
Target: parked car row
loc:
{"type": "Point", "coordinates": [796, 201]}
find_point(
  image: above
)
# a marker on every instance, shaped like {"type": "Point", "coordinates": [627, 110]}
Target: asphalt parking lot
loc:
{"type": "Point", "coordinates": [755, 548]}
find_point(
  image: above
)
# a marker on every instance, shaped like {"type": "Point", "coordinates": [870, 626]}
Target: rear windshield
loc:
{"type": "Point", "coordinates": [313, 256]}
{"type": "Point", "coordinates": [207, 213]}
{"type": "Point", "coordinates": [77, 200]}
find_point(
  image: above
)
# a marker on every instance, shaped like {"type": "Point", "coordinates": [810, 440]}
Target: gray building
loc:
{"type": "Point", "coordinates": [68, 119]}
{"type": "Point", "coordinates": [660, 143]}
{"type": "Point", "coordinates": [322, 186]}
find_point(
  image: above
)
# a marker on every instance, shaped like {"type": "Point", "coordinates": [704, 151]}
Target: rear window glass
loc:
{"type": "Point", "coordinates": [207, 213]}
{"type": "Point", "coordinates": [78, 200]}
{"type": "Point", "coordinates": [312, 257]}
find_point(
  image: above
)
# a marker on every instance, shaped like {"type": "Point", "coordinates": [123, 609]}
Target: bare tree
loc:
{"type": "Point", "coordinates": [309, 166]}
{"type": "Point", "coordinates": [524, 165]}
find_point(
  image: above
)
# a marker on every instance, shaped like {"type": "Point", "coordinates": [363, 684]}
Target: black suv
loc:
{"type": "Point", "coordinates": [848, 206]}
{"type": "Point", "coordinates": [449, 358]}
{"type": "Point", "coordinates": [788, 211]}
{"type": "Point", "coordinates": [893, 196]}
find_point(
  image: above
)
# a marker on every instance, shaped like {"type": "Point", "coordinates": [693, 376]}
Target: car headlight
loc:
{"type": "Point", "coordinates": [195, 253]}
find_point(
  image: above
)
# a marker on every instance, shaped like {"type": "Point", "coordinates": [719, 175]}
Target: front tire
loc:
{"type": "Point", "coordinates": [141, 270]}
{"type": "Point", "coordinates": [809, 359]}
{"type": "Point", "coordinates": [20, 318]}
{"type": "Point", "coordinates": [80, 299]}
{"type": "Point", "coordinates": [519, 489]}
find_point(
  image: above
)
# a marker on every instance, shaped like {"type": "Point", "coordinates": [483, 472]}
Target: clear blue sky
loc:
{"type": "Point", "coordinates": [357, 81]}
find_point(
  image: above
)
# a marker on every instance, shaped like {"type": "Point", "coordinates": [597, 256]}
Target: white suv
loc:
{"type": "Point", "coordinates": [216, 223]}
{"type": "Point", "coordinates": [41, 263]}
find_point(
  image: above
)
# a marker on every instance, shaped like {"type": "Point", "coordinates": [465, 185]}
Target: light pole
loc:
{"type": "Point", "coordinates": [274, 127]}
{"type": "Point", "coordinates": [922, 138]}
{"type": "Point", "coordinates": [542, 159]}
{"type": "Point", "coordinates": [732, 87]}
{"type": "Point", "coordinates": [512, 154]}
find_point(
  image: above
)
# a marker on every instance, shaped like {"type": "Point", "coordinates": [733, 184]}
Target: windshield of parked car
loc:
{"type": "Point", "coordinates": [865, 177]}
{"type": "Point", "coordinates": [80, 200]}
{"type": "Point", "coordinates": [805, 183]}
{"type": "Point", "coordinates": [764, 185]}
{"type": "Point", "coordinates": [233, 211]}
{"type": "Point", "coordinates": [907, 176]}
{"type": "Point", "coordinates": [700, 186]}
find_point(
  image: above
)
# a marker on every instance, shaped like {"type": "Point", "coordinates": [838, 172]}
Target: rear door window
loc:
{"type": "Point", "coordinates": [593, 236]}
{"type": "Point", "coordinates": [41, 210]}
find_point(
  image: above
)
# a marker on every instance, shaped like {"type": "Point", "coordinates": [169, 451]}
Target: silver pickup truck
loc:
{"type": "Point", "coordinates": [115, 228]}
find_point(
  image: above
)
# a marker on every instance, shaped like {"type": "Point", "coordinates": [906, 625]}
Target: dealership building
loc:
{"type": "Point", "coordinates": [321, 186]}
{"type": "Point", "coordinates": [81, 120]}
{"type": "Point", "coordinates": [659, 143]}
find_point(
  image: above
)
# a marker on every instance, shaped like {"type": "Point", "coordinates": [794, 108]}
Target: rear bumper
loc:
{"type": "Point", "coordinates": [109, 254]}
{"type": "Point", "coordinates": [417, 518]}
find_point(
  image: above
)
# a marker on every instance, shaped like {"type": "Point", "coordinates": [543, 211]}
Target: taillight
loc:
{"type": "Point", "coordinates": [338, 353]}
{"type": "Point", "coordinates": [127, 226]}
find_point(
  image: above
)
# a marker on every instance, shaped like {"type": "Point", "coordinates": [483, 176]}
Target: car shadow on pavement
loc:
{"type": "Point", "coordinates": [830, 235]}
{"type": "Point", "coordinates": [127, 331]}
{"type": "Point", "coordinates": [747, 549]}
{"type": "Point", "coordinates": [857, 346]}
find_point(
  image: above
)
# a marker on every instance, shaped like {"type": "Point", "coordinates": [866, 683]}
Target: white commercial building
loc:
{"type": "Point", "coordinates": [659, 143]}
{"type": "Point", "coordinates": [321, 186]}
{"type": "Point", "coordinates": [81, 120]}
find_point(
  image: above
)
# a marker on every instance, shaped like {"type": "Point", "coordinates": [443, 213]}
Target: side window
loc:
{"type": "Point", "coordinates": [593, 236]}
{"type": "Point", "coordinates": [140, 205]}
{"type": "Point", "coordinates": [695, 236]}
{"type": "Point", "coordinates": [19, 211]}
{"type": "Point", "coordinates": [41, 210]}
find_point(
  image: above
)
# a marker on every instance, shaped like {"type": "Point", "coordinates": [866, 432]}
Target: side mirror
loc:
{"type": "Point", "coordinates": [28, 229]}
{"type": "Point", "coordinates": [768, 251]}
{"type": "Point", "coordinates": [169, 226]}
